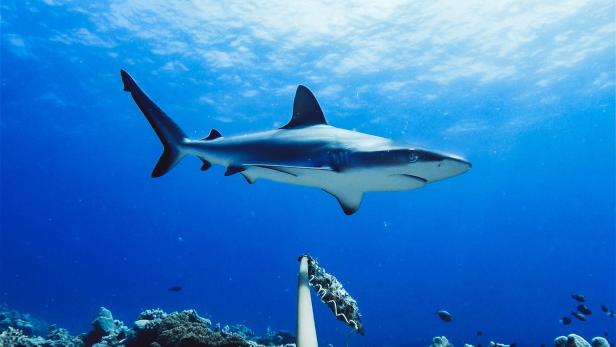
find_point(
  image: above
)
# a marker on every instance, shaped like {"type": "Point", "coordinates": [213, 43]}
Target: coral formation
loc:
{"type": "Point", "coordinates": [106, 331]}
{"type": "Point", "coordinates": [24, 322]}
{"type": "Point", "coordinates": [153, 328]}
{"type": "Point", "coordinates": [440, 341]}
{"type": "Point", "coordinates": [572, 340]}
{"type": "Point", "coordinates": [599, 342]}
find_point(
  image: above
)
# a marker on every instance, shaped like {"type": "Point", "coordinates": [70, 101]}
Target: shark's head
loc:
{"type": "Point", "coordinates": [431, 166]}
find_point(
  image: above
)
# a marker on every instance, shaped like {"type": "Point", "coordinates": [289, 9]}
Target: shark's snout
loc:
{"type": "Point", "coordinates": [455, 166]}
{"type": "Point", "coordinates": [434, 167]}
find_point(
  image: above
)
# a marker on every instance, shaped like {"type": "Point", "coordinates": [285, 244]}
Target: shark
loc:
{"type": "Point", "coordinates": [307, 151]}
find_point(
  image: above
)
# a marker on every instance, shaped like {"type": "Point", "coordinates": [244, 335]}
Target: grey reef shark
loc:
{"type": "Point", "coordinates": [306, 151]}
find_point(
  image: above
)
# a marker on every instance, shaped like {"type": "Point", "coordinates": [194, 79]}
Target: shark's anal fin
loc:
{"type": "Point", "coordinates": [248, 179]}
{"type": "Point", "coordinates": [206, 164]}
{"type": "Point", "coordinates": [231, 170]}
{"type": "Point", "coordinates": [349, 200]}
{"type": "Point", "coordinates": [306, 110]}
{"type": "Point", "coordinates": [214, 134]}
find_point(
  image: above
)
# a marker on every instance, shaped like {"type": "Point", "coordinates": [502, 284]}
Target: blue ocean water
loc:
{"type": "Point", "coordinates": [525, 91]}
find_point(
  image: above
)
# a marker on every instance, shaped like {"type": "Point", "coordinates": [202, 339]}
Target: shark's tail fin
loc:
{"type": "Point", "coordinates": [171, 136]}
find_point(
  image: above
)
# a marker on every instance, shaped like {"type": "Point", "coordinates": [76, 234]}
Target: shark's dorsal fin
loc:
{"type": "Point", "coordinates": [214, 134]}
{"type": "Point", "coordinates": [350, 199]}
{"type": "Point", "coordinates": [306, 110]}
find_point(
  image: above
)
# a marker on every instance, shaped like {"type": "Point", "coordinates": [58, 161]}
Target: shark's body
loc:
{"type": "Point", "coordinates": [306, 151]}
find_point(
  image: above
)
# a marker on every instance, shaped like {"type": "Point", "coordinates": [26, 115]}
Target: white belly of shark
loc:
{"type": "Point", "coordinates": [306, 152]}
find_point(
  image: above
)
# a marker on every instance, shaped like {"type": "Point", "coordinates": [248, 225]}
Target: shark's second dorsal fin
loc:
{"type": "Point", "coordinates": [306, 110]}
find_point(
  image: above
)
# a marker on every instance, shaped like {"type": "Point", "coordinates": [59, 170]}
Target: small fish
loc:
{"type": "Point", "coordinates": [444, 315]}
{"type": "Point", "coordinates": [565, 321]}
{"type": "Point", "coordinates": [479, 333]}
{"type": "Point", "coordinates": [175, 289]}
{"type": "Point", "coordinates": [578, 297]}
{"type": "Point", "coordinates": [584, 309]}
{"type": "Point", "coordinates": [605, 333]}
{"type": "Point", "coordinates": [579, 316]}
{"type": "Point", "coordinates": [604, 309]}
{"type": "Point", "coordinates": [611, 314]}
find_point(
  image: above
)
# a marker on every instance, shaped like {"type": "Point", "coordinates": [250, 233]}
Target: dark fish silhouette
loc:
{"type": "Point", "coordinates": [175, 289]}
{"type": "Point", "coordinates": [444, 315]}
{"type": "Point", "coordinates": [578, 297]}
{"type": "Point", "coordinates": [565, 321]}
{"type": "Point", "coordinates": [611, 314]}
{"type": "Point", "coordinates": [604, 309]}
{"type": "Point", "coordinates": [579, 316]}
{"type": "Point", "coordinates": [479, 333]}
{"type": "Point", "coordinates": [584, 309]}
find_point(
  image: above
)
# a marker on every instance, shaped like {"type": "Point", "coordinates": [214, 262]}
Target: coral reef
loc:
{"type": "Point", "coordinates": [153, 328]}
{"type": "Point", "coordinates": [106, 331]}
{"type": "Point", "coordinates": [24, 322]}
{"type": "Point", "coordinates": [599, 342]}
{"type": "Point", "coordinates": [184, 328]}
{"type": "Point", "coordinates": [572, 340]}
{"type": "Point", "coordinates": [276, 338]}
{"type": "Point", "coordinates": [440, 341]}
{"type": "Point", "coordinates": [496, 344]}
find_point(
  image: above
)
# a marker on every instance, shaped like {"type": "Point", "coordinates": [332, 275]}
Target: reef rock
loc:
{"type": "Point", "coordinates": [153, 328]}
{"type": "Point", "coordinates": [55, 338]}
{"type": "Point", "coordinates": [496, 344]}
{"type": "Point", "coordinates": [574, 340]}
{"type": "Point", "coordinates": [238, 329]}
{"type": "Point", "coordinates": [106, 331]}
{"type": "Point", "coordinates": [440, 341]}
{"type": "Point", "coordinates": [184, 328]}
{"type": "Point", "coordinates": [28, 325]}
{"type": "Point", "coordinates": [276, 338]}
{"type": "Point", "coordinates": [560, 341]}
{"type": "Point", "coordinates": [599, 342]}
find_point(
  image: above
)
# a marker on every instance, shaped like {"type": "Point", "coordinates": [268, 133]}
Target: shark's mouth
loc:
{"type": "Point", "coordinates": [415, 177]}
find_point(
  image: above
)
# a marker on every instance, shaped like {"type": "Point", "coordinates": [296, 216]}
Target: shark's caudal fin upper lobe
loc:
{"type": "Point", "coordinates": [171, 136]}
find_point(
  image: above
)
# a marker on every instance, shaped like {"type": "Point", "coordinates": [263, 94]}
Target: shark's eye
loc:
{"type": "Point", "coordinates": [413, 157]}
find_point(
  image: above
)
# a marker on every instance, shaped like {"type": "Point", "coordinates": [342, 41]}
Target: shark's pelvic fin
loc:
{"type": "Point", "coordinates": [206, 164]}
{"type": "Point", "coordinates": [232, 170]}
{"type": "Point", "coordinates": [306, 110]}
{"type": "Point", "coordinates": [171, 136]}
{"type": "Point", "coordinates": [214, 134]}
{"type": "Point", "coordinates": [349, 199]}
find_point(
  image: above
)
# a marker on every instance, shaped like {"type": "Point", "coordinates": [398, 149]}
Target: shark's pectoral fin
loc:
{"type": "Point", "coordinates": [232, 170]}
{"type": "Point", "coordinates": [349, 199]}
